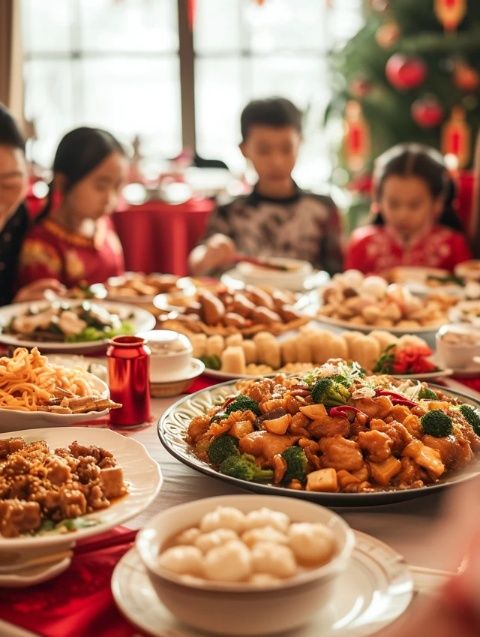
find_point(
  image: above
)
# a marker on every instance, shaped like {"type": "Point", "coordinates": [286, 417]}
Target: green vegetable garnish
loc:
{"type": "Point", "coordinates": [437, 423]}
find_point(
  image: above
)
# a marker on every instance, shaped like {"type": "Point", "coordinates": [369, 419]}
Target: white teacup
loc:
{"type": "Point", "coordinates": [171, 354]}
{"type": "Point", "coordinates": [458, 345]}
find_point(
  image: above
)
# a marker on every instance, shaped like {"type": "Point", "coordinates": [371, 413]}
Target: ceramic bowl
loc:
{"type": "Point", "coordinates": [291, 278]}
{"type": "Point", "coordinates": [458, 345]}
{"type": "Point", "coordinates": [165, 389]}
{"type": "Point", "coordinates": [242, 608]}
{"type": "Point", "coordinates": [171, 354]}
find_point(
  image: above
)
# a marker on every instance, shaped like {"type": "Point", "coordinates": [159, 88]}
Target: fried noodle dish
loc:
{"type": "Point", "coordinates": [335, 429]}
{"type": "Point", "coordinates": [43, 489]}
{"type": "Point", "coordinates": [28, 382]}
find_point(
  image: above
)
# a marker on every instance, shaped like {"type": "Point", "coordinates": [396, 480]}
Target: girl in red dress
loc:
{"type": "Point", "coordinates": [74, 241]}
{"type": "Point", "coordinates": [415, 224]}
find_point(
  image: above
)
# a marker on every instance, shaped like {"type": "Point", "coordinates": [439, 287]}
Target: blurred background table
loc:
{"type": "Point", "coordinates": [157, 236]}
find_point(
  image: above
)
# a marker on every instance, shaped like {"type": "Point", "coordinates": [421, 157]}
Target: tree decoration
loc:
{"type": "Point", "coordinates": [427, 111]}
{"type": "Point", "coordinates": [387, 35]}
{"type": "Point", "coordinates": [450, 13]}
{"type": "Point", "coordinates": [465, 77]}
{"type": "Point", "coordinates": [456, 137]}
{"type": "Point", "coordinates": [356, 141]}
{"type": "Point", "coordinates": [405, 72]}
{"type": "Point", "coordinates": [360, 87]}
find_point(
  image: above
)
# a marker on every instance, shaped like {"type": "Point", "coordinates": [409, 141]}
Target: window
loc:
{"type": "Point", "coordinates": [116, 64]}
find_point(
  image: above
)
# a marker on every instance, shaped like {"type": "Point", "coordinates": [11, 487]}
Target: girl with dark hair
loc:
{"type": "Point", "coordinates": [13, 214]}
{"type": "Point", "coordinates": [73, 239]}
{"type": "Point", "coordinates": [415, 223]}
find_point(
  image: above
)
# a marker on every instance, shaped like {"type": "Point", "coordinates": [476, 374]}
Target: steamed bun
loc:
{"type": "Point", "coordinates": [231, 562]}
{"type": "Point", "coordinates": [311, 543]}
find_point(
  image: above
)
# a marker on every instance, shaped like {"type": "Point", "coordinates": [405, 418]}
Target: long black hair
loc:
{"type": "Point", "coordinates": [79, 152]}
{"type": "Point", "coordinates": [425, 163]}
{"type": "Point", "coordinates": [10, 134]}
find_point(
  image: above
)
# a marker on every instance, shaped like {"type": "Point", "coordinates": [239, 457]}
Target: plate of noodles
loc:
{"type": "Point", "coordinates": [37, 393]}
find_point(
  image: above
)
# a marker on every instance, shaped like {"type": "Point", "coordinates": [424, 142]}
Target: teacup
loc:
{"type": "Point", "coordinates": [171, 354]}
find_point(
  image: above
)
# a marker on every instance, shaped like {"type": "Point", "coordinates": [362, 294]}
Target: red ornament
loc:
{"type": "Point", "coordinates": [465, 77]}
{"type": "Point", "coordinates": [427, 112]}
{"type": "Point", "coordinates": [404, 72]}
{"type": "Point", "coordinates": [360, 87]}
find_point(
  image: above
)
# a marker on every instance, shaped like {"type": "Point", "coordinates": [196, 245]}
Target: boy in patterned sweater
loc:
{"type": "Point", "coordinates": [276, 218]}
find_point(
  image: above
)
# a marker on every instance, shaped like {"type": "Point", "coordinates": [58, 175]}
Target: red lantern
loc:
{"type": "Point", "coordinates": [465, 77]}
{"type": "Point", "coordinates": [405, 72]}
{"type": "Point", "coordinates": [450, 13]}
{"type": "Point", "coordinates": [456, 137]}
{"type": "Point", "coordinates": [427, 112]}
{"type": "Point", "coordinates": [356, 141]}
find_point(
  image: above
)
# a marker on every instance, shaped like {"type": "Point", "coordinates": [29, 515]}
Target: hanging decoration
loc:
{"type": "Point", "coordinates": [405, 72]}
{"type": "Point", "coordinates": [356, 141]}
{"type": "Point", "coordinates": [450, 13]}
{"type": "Point", "coordinates": [360, 87]}
{"type": "Point", "coordinates": [456, 137]}
{"type": "Point", "coordinates": [387, 35]}
{"type": "Point", "coordinates": [465, 77]}
{"type": "Point", "coordinates": [427, 111]}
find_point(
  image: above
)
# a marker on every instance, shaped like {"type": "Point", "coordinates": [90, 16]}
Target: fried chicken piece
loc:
{"type": "Point", "coordinates": [378, 407]}
{"type": "Point", "coordinates": [328, 426]}
{"type": "Point", "coordinates": [10, 445]}
{"type": "Point", "coordinates": [265, 444]}
{"type": "Point", "coordinates": [18, 517]}
{"type": "Point", "coordinates": [454, 452]}
{"type": "Point", "coordinates": [425, 457]}
{"type": "Point", "coordinates": [340, 453]}
{"type": "Point", "coordinates": [376, 443]}
{"type": "Point", "coordinates": [396, 431]}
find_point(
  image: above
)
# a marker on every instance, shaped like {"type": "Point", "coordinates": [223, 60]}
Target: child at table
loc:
{"type": "Point", "coordinates": [415, 224]}
{"type": "Point", "coordinates": [73, 240]}
{"type": "Point", "coordinates": [276, 218]}
{"type": "Point", "coordinates": [14, 220]}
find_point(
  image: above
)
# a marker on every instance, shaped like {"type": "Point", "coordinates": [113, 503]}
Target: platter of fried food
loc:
{"type": "Point", "coordinates": [355, 301]}
{"type": "Point", "coordinates": [335, 435]}
{"type": "Point", "coordinates": [434, 283]}
{"type": "Point", "coordinates": [310, 346]}
{"type": "Point", "coordinates": [37, 393]}
{"type": "Point", "coordinates": [76, 481]}
{"type": "Point", "coordinates": [136, 287]}
{"type": "Point", "coordinates": [224, 311]}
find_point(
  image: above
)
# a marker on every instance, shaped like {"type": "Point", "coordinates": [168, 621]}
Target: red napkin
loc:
{"type": "Point", "coordinates": [202, 382]}
{"type": "Point", "coordinates": [473, 383]}
{"type": "Point", "coordinates": [79, 602]}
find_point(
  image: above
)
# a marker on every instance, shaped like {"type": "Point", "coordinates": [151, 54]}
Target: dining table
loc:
{"type": "Point", "coordinates": [412, 527]}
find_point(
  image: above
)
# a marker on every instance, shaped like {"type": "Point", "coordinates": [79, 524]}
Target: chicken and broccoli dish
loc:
{"type": "Point", "coordinates": [335, 429]}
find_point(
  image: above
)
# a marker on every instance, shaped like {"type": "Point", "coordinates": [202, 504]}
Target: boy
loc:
{"type": "Point", "coordinates": [277, 218]}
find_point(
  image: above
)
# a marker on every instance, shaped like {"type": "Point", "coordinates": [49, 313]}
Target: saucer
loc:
{"type": "Point", "coordinates": [376, 589]}
{"type": "Point", "coordinates": [179, 383]}
{"type": "Point", "coordinates": [35, 574]}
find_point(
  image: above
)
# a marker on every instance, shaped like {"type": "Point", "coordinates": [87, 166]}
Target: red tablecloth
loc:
{"type": "Point", "coordinates": [157, 237]}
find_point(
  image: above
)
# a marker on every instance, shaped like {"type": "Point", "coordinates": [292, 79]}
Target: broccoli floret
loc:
{"type": "Point", "coordinates": [472, 416]}
{"type": "Point", "coordinates": [427, 394]}
{"type": "Point", "coordinates": [244, 467]}
{"type": "Point", "coordinates": [211, 361]}
{"type": "Point", "coordinates": [297, 464]}
{"type": "Point", "coordinates": [221, 448]}
{"type": "Point", "coordinates": [243, 403]}
{"type": "Point", "coordinates": [437, 423]}
{"type": "Point", "coordinates": [330, 392]}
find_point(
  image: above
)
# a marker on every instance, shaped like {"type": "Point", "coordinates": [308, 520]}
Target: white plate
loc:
{"type": "Point", "coordinates": [195, 368]}
{"type": "Point", "coordinates": [141, 320]}
{"type": "Point", "coordinates": [141, 473]}
{"type": "Point", "coordinates": [398, 331]}
{"type": "Point", "coordinates": [14, 420]}
{"type": "Point", "coordinates": [174, 422]}
{"type": "Point", "coordinates": [183, 284]}
{"type": "Point", "coordinates": [374, 591]}
{"type": "Point", "coordinates": [465, 312]}
{"type": "Point", "coordinates": [233, 278]}
{"type": "Point", "coordinates": [35, 574]}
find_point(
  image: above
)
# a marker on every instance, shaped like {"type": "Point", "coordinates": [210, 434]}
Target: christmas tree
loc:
{"type": "Point", "coordinates": [412, 73]}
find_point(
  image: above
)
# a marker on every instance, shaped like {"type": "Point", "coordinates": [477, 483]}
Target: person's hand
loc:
{"type": "Point", "coordinates": [40, 290]}
{"type": "Point", "coordinates": [216, 253]}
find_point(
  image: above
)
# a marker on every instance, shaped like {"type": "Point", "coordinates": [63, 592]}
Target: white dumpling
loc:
{"type": "Point", "coordinates": [207, 541]}
{"type": "Point", "coordinates": [183, 560]}
{"type": "Point", "coordinates": [264, 534]}
{"type": "Point", "coordinates": [188, 536]}
{"type": "Point", "coordinates": [223, 518]}
{"type": "Point", "coordinates": [264, 579]}
{"type": "Point", "coordinates": [374, 286]}
{"type": "Point", "coordinates": [273, 559]}
{"type": "Point", "coordinates": [231, 562]}
{"type": "Point", "coordinates": [267, 517]}
{"type": "Point", "coordinates": [311, 543]}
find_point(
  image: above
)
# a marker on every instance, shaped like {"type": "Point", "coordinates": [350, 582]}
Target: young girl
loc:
{"type": "Point", "coordinates": [415, 224]}
{"type": "Point", "coordinates": [13, 214]}
{"type": "Point", "coordinates": [74, 241]}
